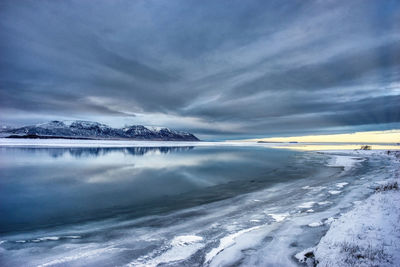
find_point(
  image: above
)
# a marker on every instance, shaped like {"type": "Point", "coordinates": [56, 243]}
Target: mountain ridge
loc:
{"type": "Point", "coordinates": [80, 129]}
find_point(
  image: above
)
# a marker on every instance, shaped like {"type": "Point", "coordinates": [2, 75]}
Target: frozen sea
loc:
{"type": "Point", "coordinates": [187, 205]}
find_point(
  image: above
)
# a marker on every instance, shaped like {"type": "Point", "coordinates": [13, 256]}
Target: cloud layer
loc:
{"type": "Point", "coordinates": [217, 68]}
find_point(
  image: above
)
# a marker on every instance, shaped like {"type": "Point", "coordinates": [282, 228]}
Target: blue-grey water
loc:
{"type": "Point", "coordinates": [167, 206]}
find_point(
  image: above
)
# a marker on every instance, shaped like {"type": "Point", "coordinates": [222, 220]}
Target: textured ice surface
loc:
{"type": "Point", "coordinates": [279, 217]}
{"type": "Point", "coordinates": [307, 205]}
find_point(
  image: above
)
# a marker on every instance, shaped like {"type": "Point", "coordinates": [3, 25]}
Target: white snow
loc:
{"type": "Point", "coordinates": [367, 235]}
{"type": "Point", "coordinates": [279, 217]}
{"type": "Point", "coordinates": [307, 205]}
{"type": "Point", "coordinates": [316, 224]}
{"type": "Point", "coordinates": [226, 242]}
{"type": "Point", "coordinates": [185, 240]}
{"type": "Point", "coordinates": [330, 220]}
{"type": "Point", "coordinates": [180, 248]}
{"type": "Point", "coordinates": [345, 161]}
{"type": "Point", "coordinates": [341, 185]}
{"type": "Point", "coordinates": [322, 203]}
{"type": "Point", "coordinates": [48, 238]}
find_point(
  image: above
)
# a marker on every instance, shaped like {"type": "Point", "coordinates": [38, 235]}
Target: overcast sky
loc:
{"type": "Point", "coordinates": [220, 69]}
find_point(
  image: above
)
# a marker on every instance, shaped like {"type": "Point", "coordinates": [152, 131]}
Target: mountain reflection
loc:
{"type": "Point", "coordinates": [79, 152]}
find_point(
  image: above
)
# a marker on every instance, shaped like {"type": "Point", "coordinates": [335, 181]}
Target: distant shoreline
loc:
{"type": "Point", "coordinates": [87, 142]}
{"type": "Point", "coordinates": [34, 136]}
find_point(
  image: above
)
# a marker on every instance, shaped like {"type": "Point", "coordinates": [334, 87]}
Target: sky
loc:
{"type": "Point", "coordinates": [388, 137]}
{"type": "Point", "coordinates": [223, 69]}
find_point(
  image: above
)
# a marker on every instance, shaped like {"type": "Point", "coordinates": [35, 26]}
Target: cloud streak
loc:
{"type": "Point", "coordinates": [216, 68]}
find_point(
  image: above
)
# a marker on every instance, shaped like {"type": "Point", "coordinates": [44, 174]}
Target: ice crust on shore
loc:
{"type": "Point", "coordinates": [341, 185]}
{"type": "Point", "coordinates": [307, 205]}
{"type": "Point", "coordinates": [345, 161]}
{"type": "Point", "coordinates": [279, 217]}
{"type": "Point", "coordinates": [226, 242]}
{"type": "Point", "coordinates": [368, 234]}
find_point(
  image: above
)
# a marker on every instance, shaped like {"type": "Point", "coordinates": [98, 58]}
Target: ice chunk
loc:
{"type": "Point", "coordinates": [307, 205]}
{"type": "Point", "coordinates": [279, 217]}
{"type": "Point", "coordinates": [227, 241]}
{"type": "Point", "coordinates": [315, 224]}
{"type": "Point", "coordinates": [341, 185]}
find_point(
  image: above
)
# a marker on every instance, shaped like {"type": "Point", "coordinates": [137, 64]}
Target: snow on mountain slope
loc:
{"type": "Point", "coordinates": [95, 130]}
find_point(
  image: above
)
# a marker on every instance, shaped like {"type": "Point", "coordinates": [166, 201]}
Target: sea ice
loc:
{"type": "Point", "coordinates": [279, 217]}
{"type": "Point", "coordinates": [307, 205]}
{"type": "Point", "coordinates": [322, 203]}
{"type": "Point", "coordinates": [341, 185]}
{"type": "Point", "coordinates": [316, 224]}
{"type": "Point", "coordinates": [226, 242]}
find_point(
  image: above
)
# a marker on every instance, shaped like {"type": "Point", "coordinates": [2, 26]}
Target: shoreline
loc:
{"type": "Point", "coordinates": [93, 143]}
{"type": "Point", "coordinates": [366, 235]}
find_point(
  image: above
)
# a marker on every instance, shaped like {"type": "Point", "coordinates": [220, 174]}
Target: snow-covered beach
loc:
{"type": "Point", "coordinates": [368, 234]}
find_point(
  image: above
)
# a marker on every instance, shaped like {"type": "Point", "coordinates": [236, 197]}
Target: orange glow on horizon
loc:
{"type": "Point", "coordinates": [389, 136]}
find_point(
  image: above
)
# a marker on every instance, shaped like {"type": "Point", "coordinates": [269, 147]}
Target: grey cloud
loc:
{"type": "Point", "coordinates": [263, 66]}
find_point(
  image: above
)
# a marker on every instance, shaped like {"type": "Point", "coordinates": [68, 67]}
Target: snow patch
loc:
{"type": "Point", "coordinates": [185, 240]}
{"type": "Point", "coordinates": [279, 217]}
{"type": "Point", "coordinates": [347, 162]}
{"type": "Point", "coordinates": [315, 224]}
{"type": "Point", "coordinates": [368, 235]}
{"type": "Point", "coordinates": [307, 205]}
{"type": "Point", "coordinates": [226, 242]}
{"type": "Point", "coordinates": [322, 203]}
{"type": "Point", "coordinates": [180, 248]}
{"type": "Point", "coordinates": [341, 185]}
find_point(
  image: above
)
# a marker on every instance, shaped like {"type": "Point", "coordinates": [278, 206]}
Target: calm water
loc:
{"type": "Point", "coordinates": [148, 206]}
{"type": "Point", "coordinates": [46, 187]}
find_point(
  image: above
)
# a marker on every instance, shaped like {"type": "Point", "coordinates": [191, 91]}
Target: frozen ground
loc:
{"type": "Point", "coordinates": [367, 235]}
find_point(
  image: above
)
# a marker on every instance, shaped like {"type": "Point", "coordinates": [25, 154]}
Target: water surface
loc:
{"type": "Point", "coordinates": [183, 206]}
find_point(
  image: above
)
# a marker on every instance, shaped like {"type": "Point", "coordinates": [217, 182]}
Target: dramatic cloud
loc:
{"type": "Point", "coordinates": [221, 69]}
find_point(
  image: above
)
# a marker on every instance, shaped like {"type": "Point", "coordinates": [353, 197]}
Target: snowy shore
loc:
{"type": "Point", "coordinates": [367, 235]}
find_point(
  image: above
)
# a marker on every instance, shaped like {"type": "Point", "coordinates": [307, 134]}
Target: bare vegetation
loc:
{"type": "Point", "coordinates": [389, 186]}
{"type": "Point", "coordinates": [357, 255]}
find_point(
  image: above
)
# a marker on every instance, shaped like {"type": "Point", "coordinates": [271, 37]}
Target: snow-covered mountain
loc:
{"type": "Point", "coordinates": [95, 130]}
